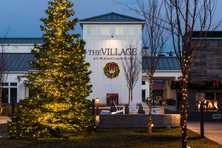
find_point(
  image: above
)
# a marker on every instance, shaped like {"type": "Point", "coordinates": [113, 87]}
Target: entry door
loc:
{"type": "Point", "coordinates": [112, 98]}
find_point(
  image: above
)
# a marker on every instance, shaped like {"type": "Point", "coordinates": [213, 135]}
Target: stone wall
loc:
{"type": "Point", "coordinates": [138, 121]}
{"type": "Point", "coordinates": [208, 116]}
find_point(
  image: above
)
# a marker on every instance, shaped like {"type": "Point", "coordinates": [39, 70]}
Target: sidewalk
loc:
{"type": "Point", "coordinates": [213, 131]}
{"type": "Point", "coordinates": [3, 126]}
{"type": "Point", "coordinates": [4, 119]}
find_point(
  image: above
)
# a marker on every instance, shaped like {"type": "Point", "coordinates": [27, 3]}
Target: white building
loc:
{"type": "Point", "coordinates": [109, 38]}
{"type": "Point", "coordinates": [15, 60]}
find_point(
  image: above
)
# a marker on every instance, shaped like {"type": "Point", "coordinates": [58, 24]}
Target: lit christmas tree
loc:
{"type": "Point", "coordinates": [57, 106]}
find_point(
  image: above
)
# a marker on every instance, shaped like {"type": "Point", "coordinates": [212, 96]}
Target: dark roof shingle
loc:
{"type": "Point", "coordinates": [21, 40]}
{"type": "Point", "coordinates": [17, 61]}
{"type": "Point", "coordinates": [165, 63]}
{"type": "Point", "coordinates": [112, 17]}
{"type": "Point", "coordinates": [21, 62]}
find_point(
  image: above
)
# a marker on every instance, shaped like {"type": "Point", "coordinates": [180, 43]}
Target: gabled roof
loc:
{"type": "Point", "coordinates": [165, 63]}
{"type": "Point", "coordinates": [112, 17]}
{"type": "Point", "coordinates": [19, 62]}
{"type": "Point", "coordinates": [21, 40]}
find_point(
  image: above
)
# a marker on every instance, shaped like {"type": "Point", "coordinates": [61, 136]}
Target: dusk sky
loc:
{"type": "Point", "coordinates": [21, 18]}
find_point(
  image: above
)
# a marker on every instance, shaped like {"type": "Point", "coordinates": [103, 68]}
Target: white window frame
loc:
{"type": "Point", "coordinates": [9, 90]}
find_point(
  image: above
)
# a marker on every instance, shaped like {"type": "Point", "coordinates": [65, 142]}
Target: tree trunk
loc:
{"type": "Point", "coordinates": [184, 101]}
{"type": "Point", "coordinates": [129, 95]}
{"type": "Point", "coordinates": [149, 101]}
{"type": "Point", "coordinates": [184, 111]}
{"type": "Point", "coordinates": [1, 107]}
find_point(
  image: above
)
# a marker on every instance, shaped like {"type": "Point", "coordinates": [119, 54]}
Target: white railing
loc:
{"type": "Point", "coordinates": [106, 110]}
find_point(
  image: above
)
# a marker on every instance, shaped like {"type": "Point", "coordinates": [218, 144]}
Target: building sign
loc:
{"type": "Point", "coordinates": [112, 52]}
{"type": "Point", "coordinates": [216, 116]}
{"type": "Point", "coordinates": [111, 70]}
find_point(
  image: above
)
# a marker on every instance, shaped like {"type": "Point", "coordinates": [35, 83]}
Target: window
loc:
{"type": "Point", "coordinates": [4, 84]}
{"type": "Point", "coordinates": [13, 95]}
{"type": "Point", "coordinates": [105, 30]}
{"type": "Point", "coordinates": [13, 84]}
{"type": "Point", "coordinates": [158, 90]}
{"type": "Point", "coordinates": [144, 95]}
{"type": "Point", "coordinates": [132, 31]}
{"type": "Point", "coordinates": [9, 93]}
{"type": "Point", "coordinates": [5, 95]}
{"type": "Point", "coordinates": [212, 101]}
{"type": "Point", "coordinates": [89, 30]}
{"type": "Point", "coordinates": [119, 30]}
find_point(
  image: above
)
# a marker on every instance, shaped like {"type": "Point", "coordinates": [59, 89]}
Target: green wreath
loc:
{"type": "Point", "coordinates": [111, 70]}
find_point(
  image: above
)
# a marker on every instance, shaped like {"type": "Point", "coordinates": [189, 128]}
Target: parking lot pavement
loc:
{"type": "Point", "coordinates": [213, 130]}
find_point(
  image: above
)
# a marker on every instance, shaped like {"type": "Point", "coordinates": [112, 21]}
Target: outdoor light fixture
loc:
{"type": "Point", "coordinates": [112, 35]}
{"type": "Point", "coordinates": [97, 100]}
{"type": "Point", "coordinates": [97, 106]}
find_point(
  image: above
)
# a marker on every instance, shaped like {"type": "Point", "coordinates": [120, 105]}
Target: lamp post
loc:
{"type": "Point", "coordinates": [202, 105]}
{"type": "Point", "coordinates": [97, 106]}
{"type": "Point", "coordinates": [93, 113]}
{"type": "Point", "coordinates": [93, 107]}
{"type": "Point", "coordinates": [97, 111]}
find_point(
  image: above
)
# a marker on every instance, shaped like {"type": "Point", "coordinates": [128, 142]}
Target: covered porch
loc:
{"type": "Point", "coordinates": [164, 97]}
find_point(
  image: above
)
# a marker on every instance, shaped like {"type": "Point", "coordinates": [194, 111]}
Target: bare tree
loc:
{"type": "Point", "coordinates": [154, 32]}
{"type": "Point", "coordinates": [131, 67]}
{"type": "Point", "coordinates": [183, 18]}
{"type": "Point", "coordinates": [151, 11]}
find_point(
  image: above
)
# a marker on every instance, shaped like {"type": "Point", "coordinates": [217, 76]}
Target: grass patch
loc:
{"type": "Point", "coordinates": [116, 138]}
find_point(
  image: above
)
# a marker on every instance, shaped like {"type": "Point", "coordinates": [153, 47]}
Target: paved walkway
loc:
{"type": "Point", "coordinates": [3, 126]}
{"type": "Point", "coordinates": [4, 119]}
{"type": "Point", "coordinates": [213, 131]}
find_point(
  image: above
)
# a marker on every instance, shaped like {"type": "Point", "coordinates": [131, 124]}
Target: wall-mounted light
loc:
{"type": "Point", "coordinates": [112, 35]}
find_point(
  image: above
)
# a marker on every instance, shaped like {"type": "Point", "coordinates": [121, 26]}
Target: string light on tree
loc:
{"type": "Point", "coordinates": [57, 106]}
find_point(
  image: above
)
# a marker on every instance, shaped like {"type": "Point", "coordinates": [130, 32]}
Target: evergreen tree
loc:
{"type": "Point", "coordinates": [57, 106]}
